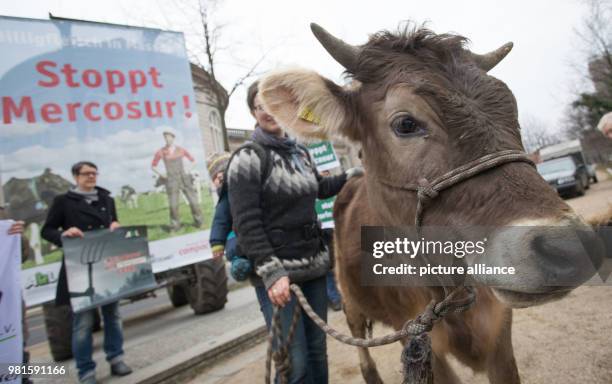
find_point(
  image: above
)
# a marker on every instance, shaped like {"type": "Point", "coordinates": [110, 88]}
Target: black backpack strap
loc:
{"type": "Point", "coordinates": [307, 154]}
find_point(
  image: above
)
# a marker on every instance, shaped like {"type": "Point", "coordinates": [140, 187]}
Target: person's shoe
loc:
{"type": "Point", "coordinates": [336, 305]}
{"type": "Point", "coordinates": [89, 378]}
{"type": "Point", "coordinates": [120, 369]}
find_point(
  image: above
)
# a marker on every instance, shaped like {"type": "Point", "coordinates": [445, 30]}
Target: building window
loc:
{"type": "Point", "coordinates": [214, 120]}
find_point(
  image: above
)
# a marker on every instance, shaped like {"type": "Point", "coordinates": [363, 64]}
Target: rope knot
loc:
{"type": "Point", "coordinates": [425, 192]}
{"type": "Point", "coordinates": [282, 362]}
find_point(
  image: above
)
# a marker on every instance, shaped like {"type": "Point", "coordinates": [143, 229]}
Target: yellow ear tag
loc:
{"type": "Point", "coordinates": [307, 115]}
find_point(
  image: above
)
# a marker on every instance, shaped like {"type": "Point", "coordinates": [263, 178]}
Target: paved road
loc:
{"type": "Point", "coordinates": [154, 330]}
{"type": "Point", "coordinates": [596, 202]}
{"type": "Point", "coordinates": [36, 322]}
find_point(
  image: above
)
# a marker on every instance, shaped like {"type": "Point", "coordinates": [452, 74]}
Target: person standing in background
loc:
{"type": "Point", "coordinates": [84, 208]}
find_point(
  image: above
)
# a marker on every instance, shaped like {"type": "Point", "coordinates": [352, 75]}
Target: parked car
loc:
{"type": "Point", "coordinates": [565, 175]}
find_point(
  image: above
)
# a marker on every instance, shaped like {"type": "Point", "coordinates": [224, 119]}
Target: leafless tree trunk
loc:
{"type": "Point", "coordinates": [535, 134]}
{"type": "Point", "coordinates": [596, 37]}
{"type": "Point", "coordinates": [198, 19]}
{"type": "Point", "coordinates": [209, 42]}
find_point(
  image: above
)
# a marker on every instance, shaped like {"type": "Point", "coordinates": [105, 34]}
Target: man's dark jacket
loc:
{"type": "Point", "coordinates": [71, 210]}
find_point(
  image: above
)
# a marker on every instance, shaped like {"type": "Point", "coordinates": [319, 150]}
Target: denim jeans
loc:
{"type": "Point", "coordinates": [332, 291]}
{"type": "Point", "coordinates": [82, 340]}
{"type": "Point", "coordinates": [309, 347]}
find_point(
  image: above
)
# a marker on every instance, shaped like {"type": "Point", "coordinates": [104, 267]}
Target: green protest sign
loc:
{"type": "Point", "coordinates": [323, 155]}
{"type": "Point", "coordinates": [325, 212]}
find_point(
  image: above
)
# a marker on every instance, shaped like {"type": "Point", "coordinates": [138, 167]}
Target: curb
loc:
{"type": "Point", "coordinates": [186, 365]}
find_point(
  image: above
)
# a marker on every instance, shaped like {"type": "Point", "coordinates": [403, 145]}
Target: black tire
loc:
{"type": "Point", "coordinates": [209, 291]}
{"type": "Point", "coordinates": [177, 295]}
{"type": "Point", "coordinates": [58, 322]}
{"type": "Point", "coordinates": [579, 188]}
{"type": "Point", "coordinates": [587, 182]}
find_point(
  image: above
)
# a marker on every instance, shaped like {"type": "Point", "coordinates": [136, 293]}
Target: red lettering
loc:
{"type": "Point", "coordinates": [115, 80]}
{"type": "Point", "coordinates": [133, 110]}
{"type": "Point", "coordinates": [9, 108]}
{"type": "Point", "coordinates": [48, 110]}
{"type": "Point", "coordinates": [154, 73]}
{"type": "Point", "coordinates": [88, 111]}
{"type": "Point", "coordinates": [69, 71]}
{"type": "Point", "coordinates": [109, 113]}
{"type": "Point", "coordinates": [72, 107]}
{"type": "Point", "coordinates": [41, 68]}
{"type": "Point", "coordinates": [169, 106]}
{"type": "Point", "coordinates": [97, 78]}
{"type": "Point", "coordinates": [137, 80]}
{"type": "Point", "coordinates": [149, 110]}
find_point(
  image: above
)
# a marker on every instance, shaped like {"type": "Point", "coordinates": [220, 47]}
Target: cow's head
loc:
{"type": "Point", "coordinates": [421, 104]}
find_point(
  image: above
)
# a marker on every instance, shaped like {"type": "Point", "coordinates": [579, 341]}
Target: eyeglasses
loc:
{"type": "Point", "coordinates": [89, 174]}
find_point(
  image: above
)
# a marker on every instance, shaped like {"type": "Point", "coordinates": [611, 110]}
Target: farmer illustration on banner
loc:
{"type": "Point", "coordinates": [177, 179]}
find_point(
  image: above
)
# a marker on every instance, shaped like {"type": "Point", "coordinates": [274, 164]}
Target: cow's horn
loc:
{"type": "Point", "coordinates": [489, 60]}
{"type": "Point", "coordinates": [343, 53]}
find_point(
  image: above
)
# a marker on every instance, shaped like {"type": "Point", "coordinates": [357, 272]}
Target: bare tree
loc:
{"type": "Point", "coordinates": [197, 19]}
{"type": "Point", "coordinates": [536, 134]}
{"type": "Point", "coordinates": [596, 37]}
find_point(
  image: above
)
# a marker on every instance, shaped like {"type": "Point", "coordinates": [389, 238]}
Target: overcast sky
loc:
{"type": "Point", "coordinates": [540, 70]}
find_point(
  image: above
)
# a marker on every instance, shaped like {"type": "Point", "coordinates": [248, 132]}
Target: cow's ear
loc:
{"type": "Point", "coordinates": [308, 105]}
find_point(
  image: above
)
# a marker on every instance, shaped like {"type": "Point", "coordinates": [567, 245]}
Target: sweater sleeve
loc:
{"type": "Point", "coordinates": [222, 221]}
{"type": "Point", "coordinates": [245, 184]}
{"type": "Point", "coordinates": [55, 220]}
{"type": "Point", "coordinates": [331, 185]}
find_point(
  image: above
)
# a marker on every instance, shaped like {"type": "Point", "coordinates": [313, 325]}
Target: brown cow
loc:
{"type": "Point", "coordinates": [421, 105]}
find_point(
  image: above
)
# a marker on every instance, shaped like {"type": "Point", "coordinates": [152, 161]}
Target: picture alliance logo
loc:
{"type": "Point", "coordinates": [422, 247]}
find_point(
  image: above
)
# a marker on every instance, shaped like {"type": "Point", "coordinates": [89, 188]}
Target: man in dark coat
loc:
{"type": "Point", "coordinates": [85, 208]}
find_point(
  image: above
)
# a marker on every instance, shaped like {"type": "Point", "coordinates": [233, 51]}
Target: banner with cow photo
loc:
{"type": "Point", "coordinates": [121, 97]}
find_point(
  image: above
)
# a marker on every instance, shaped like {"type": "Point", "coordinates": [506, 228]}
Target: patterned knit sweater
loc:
{"type": "Point", "coordinates": [269, 213]}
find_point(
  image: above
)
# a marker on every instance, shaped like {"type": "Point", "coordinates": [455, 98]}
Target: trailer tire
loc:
{"type": "Point", "coordinates": [58, 322]}
{"type": "Point", "coordinates": [178, 295]}
{"type": "Point", "coordinates": [209, 291]}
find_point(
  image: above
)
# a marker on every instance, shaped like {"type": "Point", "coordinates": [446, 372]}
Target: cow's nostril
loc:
{"type": "Point", "coordinates": [566, 256]}
{"type": "Point", "coordinates": [556, 256]}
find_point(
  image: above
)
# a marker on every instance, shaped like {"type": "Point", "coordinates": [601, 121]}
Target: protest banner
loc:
{"type": "Point", "coordinates": [105, 266]}
{"type": "Point", "coordinates": [119, 96]}
{"type": "Point", "coordinates": [11, 335]}
{"type": "Point", "coordinates": [325, 159]}
{"type": "Point", "coordinates": [323, 155]}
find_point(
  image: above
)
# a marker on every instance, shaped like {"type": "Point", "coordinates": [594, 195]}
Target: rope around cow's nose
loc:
{"type": "Point", "coordinates": [417, 353]}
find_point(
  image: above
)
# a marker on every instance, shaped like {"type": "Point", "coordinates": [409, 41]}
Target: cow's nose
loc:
{"type": "Point", "coordinates": [567, 256]}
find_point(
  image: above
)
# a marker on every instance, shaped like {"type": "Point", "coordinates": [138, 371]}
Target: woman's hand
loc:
{"type": "Point", "coordinates": [72, 232]}
{"type": "Point", "coordinates": [16, 228]}
{"type": "Point", "coordinates": [279, 292]}
{"type": "Point", "coordinates": [114, 225]}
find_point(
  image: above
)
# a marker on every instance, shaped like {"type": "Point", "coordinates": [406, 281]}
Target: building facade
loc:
{"type": "Point", "coordinates": [212, 133]}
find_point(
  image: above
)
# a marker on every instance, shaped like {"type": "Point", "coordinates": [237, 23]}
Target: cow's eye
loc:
{"type": "Point", "coordinates": [407, 126]}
